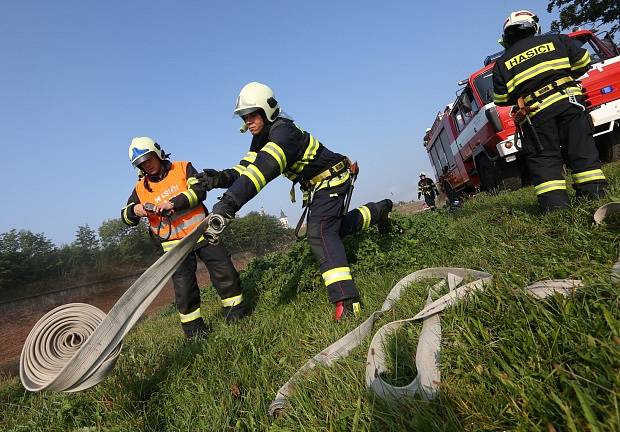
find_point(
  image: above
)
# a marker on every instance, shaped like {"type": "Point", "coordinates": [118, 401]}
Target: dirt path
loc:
{"type": "Point", "coordinates": [16, 322]}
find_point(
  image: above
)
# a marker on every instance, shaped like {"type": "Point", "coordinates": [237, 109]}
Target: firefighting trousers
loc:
{"type": "Point", "coordinates": [327, 226]}
{"type": "Point", "coordinates": [224, 278]}
{"type": "Point", "coordinates": [429, 199]}
{"type": "Point", "coordinates": [566, 138]}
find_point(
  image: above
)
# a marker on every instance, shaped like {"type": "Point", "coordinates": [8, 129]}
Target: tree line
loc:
{"type": "Point", "coordinates": [28, 258]}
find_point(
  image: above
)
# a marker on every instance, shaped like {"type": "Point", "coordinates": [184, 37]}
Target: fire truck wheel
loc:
{"type": "Point", "coordinates": [487, 171]}
{"type": "Point", "coordinates": [609, 146]}
{"type": "Point", "coordinates": [511, 177]}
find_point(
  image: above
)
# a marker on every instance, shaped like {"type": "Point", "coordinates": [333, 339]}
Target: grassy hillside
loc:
{"type": "Point", "coordinates": [508, 362]}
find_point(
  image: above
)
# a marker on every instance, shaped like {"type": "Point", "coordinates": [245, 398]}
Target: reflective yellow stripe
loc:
{"type": "Point", "coordinates": [336, 275]}
{"type": "Point", "coordinates": [333, 182]}
{"type": "Point", "coordinates": [588, 176]}
{"type": "Point", "coordinates": [250, 157]}
{"type": "Point", "coordinates": [257, 177]}
{"type": "Point", "coordinates": [167, 245]}
{"type": "Point", "coordinates": [190, 316]}
{"type": "Point", "coordinates": [583, 61]}
{"type": "Point", "coordinates": [277, 153]}
{"type": "Point", "coordinates": [239, 168]}
{"type": "Point", "coordinates": [309, 154]}
{"type": "Point", "coordinates": [124, 213]}
{"type": "Point", "coordinates": [232, 301]}
{"type": "Point", "coordinates": [191, 196]}
{"type": "Point", "coordinates": [545, 103]}
{"type": "Point", "coordinates": [357, 309]}
{"type": "Point", "coordinates": [550, 186]}
{"type": "Point", "coordinates": [191, 181]}
{"type": "Point", "coordinates": [365, 211]}
{"type": "Point", "coordinates": [561, 63]}
{"type": "Point", "coordinates": [500, 98]}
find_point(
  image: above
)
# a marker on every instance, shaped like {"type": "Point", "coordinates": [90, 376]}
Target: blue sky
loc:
{"type": "Point", "coordinates": [79, 79]}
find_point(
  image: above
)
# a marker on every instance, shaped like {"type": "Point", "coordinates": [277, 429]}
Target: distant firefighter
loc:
{"type": "Point", "coordinates": [427, 187]}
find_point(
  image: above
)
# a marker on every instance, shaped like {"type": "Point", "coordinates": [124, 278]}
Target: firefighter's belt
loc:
{"type": "Point", "coordinates": [428, 380]}
{"type": "Point", "coordinates": [553, 87]}
{"type": "Point", "coordinates": [75, 346]}
{"type": "Point", "coordinates": [333, 171]}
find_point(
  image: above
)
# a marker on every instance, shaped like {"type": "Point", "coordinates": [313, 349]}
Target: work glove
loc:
{"type": "Point", "coordinates": [419, 195]}
{"type": "Point", "coordinates": [225, 207]}
{"type": "Point", "coordinates": [209, 179]}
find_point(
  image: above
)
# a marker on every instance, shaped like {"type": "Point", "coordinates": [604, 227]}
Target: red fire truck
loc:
{"type": "Point", "coordinates": [472, 145]}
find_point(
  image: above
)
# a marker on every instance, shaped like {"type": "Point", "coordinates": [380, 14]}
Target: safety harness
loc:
{"type": "Point", "coordinates": [333, 176]}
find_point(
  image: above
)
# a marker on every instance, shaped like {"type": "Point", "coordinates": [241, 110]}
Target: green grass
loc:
{"type": "Point", "coordinates": [508, 362]}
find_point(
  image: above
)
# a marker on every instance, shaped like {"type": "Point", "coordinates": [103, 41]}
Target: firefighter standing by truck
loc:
{"type": "Point", "coordinates": [170, 197]}
{"type": "Point", "coordinates": [426, 187]}
{"type": "Point", "coordinates": [281, 147]}
{"type": "Point", "coordinates": [537, 74]}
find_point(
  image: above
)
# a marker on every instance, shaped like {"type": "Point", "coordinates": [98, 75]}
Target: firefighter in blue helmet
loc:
{"type": "Point", "coordinates": [537, 74]}
{"type": "Point", "coordinates": [279, 146]}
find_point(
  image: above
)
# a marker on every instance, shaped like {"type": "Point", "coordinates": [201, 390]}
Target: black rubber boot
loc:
{"type": "Point", "coordinates": [591, 190]}
{"type": "Point", "coordinates": [195, 329]}
{"type": "Point", "coordinates": [347, 307]}
{"type": "Point", "coordinates": [232, 314]}
{"type": "Point", "coordinates": [383, 224]}
{"type": "Point", "coordinates": [552, 201]}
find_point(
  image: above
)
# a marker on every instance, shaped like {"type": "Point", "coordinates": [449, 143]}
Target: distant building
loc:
{"type": "Point", "coordinates": [283, 219]}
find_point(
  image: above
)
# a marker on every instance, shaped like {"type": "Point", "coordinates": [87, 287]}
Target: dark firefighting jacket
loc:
{"type": "Point", "coordinates": [426, 186]}
{"type": "Point", "coordinates": [179, 186]}
{"type": "Point", "coordinates": [542, 69]}
{"type": "Point", "coordinates": [281, 148]}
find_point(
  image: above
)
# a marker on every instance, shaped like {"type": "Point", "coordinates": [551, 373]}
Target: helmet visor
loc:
{"type": "Point", "coordinates": [245, 111]}
{"type": "Point", "coordinates": [142, 158]}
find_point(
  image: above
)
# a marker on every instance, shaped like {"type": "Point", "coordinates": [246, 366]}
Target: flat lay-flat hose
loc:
{"type": "Point", "coordinates": [74, 346]}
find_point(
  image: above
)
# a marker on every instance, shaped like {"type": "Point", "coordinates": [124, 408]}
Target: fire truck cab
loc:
{"type": "Point", "coordinates": [472, 144]}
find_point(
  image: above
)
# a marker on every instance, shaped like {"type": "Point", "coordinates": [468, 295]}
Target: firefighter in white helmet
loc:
{"type": "Point", "coordinates": [170, 197]}
{"type": "Point", "coordinates": [279, 146]}
{"type": "Point", "coordinates": [537, 74]}
{"type": "Point", "coordinates": [426, 187]}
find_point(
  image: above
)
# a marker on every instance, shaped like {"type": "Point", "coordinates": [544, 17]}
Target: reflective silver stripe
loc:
{"type": "Point", "coordinates": [561, 63]}
{"type": "Point", "coordinates": [309, 154]}
{"type": "Point", "coordinates": [277, 153]}
{"type": "Point", "coordinates": [336, 275]}
{"type": "Point", "coordinates": [183, 226]}
{"type": "Point", "coordinates": [365, 211]}
{"type": "Point", "coordinates": [255, 176]}
{"type": "Point", "coordinates": [167, 245]}
{"type": "Point", "coordinates": [124, 213]}
{"type": "Point", "coordinates": [588, 176]}
{"type": "Point", "coordinates": [232, 301]}
{"type": "Point", "coordinates": [190, 316]}
{"type": "Point", "coordinates": [250, 157]}
{"type": "Point", "coordinates": [549, 186]}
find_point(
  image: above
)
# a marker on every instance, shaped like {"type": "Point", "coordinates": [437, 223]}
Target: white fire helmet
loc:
{"type": "Point", "coordinates": [141, 147]}
{"type": "Point", "coordinates": [422, 174]}
{"type": "Point", "coordinates": [522, 19]}
{"type": "Point", "coordinates": [254, 96]}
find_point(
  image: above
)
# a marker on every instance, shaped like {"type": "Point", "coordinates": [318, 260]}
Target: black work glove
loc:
{"type": "Point", "coordinates": [226, 207]}
{"type": "Point", "coordinates": [209, 179]}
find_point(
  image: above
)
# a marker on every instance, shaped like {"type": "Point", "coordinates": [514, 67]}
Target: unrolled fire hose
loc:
{"type": "Point", "coordinates": [427, 354]}
{"type": "Point", "coordinates": [426, 383]}
{"type": "Point", "coordinates": [75, 346]}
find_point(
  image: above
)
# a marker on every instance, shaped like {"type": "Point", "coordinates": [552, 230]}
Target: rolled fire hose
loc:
{"type": "Point", "coordinates": [427, 354]}
{"type": "Point", "coordinates": [75, 346]}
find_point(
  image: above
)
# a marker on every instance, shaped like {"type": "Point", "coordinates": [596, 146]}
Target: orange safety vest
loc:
{"type": "Point", "coordinates": [180, 223]}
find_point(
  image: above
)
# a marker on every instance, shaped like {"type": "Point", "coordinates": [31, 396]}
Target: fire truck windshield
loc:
{"type": "Point", "coordinates": [484, 85]}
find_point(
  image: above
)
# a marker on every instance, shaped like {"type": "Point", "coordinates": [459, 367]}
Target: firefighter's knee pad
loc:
{"type": "Point", "coordinates": [313, 235]}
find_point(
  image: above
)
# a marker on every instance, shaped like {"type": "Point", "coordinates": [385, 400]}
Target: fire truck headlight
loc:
{"type": "Point", "coordinates": [607, 90]}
